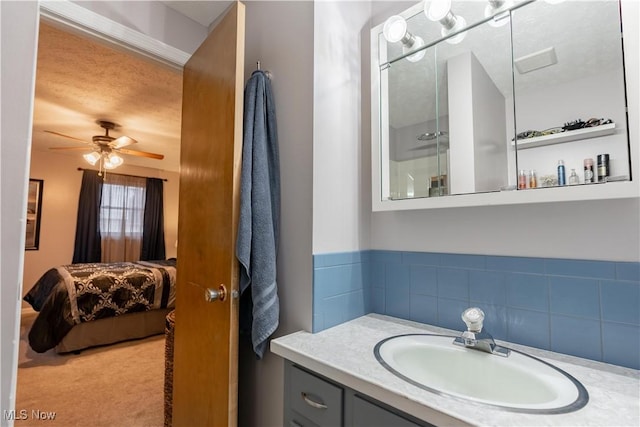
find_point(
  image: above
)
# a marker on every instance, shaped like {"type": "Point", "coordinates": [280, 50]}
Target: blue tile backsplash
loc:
{"type": "Point", "coordinates": [584, 308]}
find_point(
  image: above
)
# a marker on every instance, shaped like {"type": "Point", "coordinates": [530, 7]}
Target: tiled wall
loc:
{"type": "Point", "coordinates": [584, 308]}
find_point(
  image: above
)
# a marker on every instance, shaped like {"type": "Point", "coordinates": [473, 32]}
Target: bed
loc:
{"type": "Point", "coordinates": [86, 305]}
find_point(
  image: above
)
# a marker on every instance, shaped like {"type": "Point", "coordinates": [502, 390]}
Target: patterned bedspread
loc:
{"type": "Point", "coordinates": [70, 294]}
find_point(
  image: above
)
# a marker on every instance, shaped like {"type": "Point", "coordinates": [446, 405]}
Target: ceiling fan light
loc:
{"type": "Point", "coordinates": [92, 158]}
{"type": "Point", "coordinates": [108, 165]}
{"type": "Point", "coordinates": [115, 160]}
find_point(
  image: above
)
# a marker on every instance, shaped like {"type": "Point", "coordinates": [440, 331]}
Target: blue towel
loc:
{"type": "Point", "coordinates": [257, 242]}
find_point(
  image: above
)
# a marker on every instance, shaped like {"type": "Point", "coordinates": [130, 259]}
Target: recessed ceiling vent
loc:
{"type": "Point", "coordinates": [536, 60]}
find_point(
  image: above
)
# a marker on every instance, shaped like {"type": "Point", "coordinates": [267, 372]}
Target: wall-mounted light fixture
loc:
{"type": "Point", "coordinates": [499, 10]}
{"type": "Point", "coordinates": [440, 11]}
{"type": "Point", "coordinates": [395, 30]}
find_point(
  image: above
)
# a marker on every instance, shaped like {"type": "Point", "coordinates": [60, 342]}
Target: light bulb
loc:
{"type": "Point", "coordinates": [437, 9]}
{"type": "Point", "coordinates": [460, 24]}
{"type": "Point", "coordinates": [418, 43]}
{"type": "Point", "coordinates": [115, 160]}
{"type": "Point", "coordinates": [394, 29]}
{"type": "Point", "coordinates": [92, 157]}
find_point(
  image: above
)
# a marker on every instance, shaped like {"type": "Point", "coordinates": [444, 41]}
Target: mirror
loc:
{"type": "Point", "coordinates": [476, 99]}
{"type": "Point", "coordinates": [560, 79]}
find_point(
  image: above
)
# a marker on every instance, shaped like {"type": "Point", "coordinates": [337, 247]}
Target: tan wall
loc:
{"type": "Point", "coordinates": [59, 210]}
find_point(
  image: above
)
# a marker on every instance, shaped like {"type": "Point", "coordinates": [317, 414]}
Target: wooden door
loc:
{"type": "Point", "coordinates": [205, 381]}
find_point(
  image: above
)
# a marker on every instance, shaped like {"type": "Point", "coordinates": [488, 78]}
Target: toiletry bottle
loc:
{"type": "Point", "coordinates": [522, 179]}
{"type": "Point", "coordinates": [588, 171]}
{"type": "Point", "coordinates": [533, 180]}
{"type": "Point", "coordinates": [603, 167]}
{"type": "Point", "coordinates": [561, 175]}
{"type": "Point", "coordinates": [573, 178]}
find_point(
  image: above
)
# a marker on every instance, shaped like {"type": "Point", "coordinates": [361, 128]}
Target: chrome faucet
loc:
{"type": "Point", "coordinates": [475, 338]}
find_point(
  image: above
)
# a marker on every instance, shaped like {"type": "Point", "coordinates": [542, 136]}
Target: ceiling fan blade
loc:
{"type": "Point", "coordinates": [141, 154]}
{"type": "Point", "coordinates": [67, 136]}
{"type": "Point", "coordinates": [69, 148]}
{"type": "Point", "coordinates": [122, 141]}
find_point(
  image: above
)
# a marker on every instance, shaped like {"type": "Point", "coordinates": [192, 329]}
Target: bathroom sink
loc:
{"type": "Point", "coordinates": [517, 383]}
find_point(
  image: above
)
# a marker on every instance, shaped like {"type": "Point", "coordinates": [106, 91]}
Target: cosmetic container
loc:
{"type": "Point", "coordinates": [588, 171]}
{"type": "Point", "coordinates": [533, 180]}
{"type": "Point", "coordinates": [522, 179]}
{"type": "Point", "coordinates": [603, 167]}
{"type": "Point", "coordinates": [561, 174]}
{"type": "Point", "coordinates": [573, 178]}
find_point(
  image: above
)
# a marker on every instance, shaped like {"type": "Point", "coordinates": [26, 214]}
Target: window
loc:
{"type": "Point", "coordinates": [122, 217]}
{"type": "Point", "coordinates": [111, 219]}
{"type": "Point", "coordinates": [121, 210]}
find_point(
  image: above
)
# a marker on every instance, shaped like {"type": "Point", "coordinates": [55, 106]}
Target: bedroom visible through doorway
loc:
{"type": "Point", "coordinates": [152, 111]}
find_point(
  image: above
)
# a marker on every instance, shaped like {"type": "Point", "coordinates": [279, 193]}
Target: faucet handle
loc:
{"type": "Point", "coordinates": [473, 318]}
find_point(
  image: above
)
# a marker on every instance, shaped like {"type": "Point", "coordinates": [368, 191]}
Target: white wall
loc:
{"type": "Point", "coordinates": [598, 230]}
{"type": "Point", "coordinates": [62, 182]}
{"type": "Point", "coordinates": [280, 36]}
{"type": "Point", "coordinates": [462, 170]}
{"type": "Point", "coordinates": [340, 134]}
{"type": "Point", "coordinates": [153, 19]}
{"type": "Point", "coordinates": [18, 41]}
{"type": "Point", "coordinates": [489, 147]}
{"type": "Point", "coordinates": [319, 99]}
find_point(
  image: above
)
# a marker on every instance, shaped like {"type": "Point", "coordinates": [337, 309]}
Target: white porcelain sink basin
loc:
{"type": "Point", "coordinates": [519, 383]}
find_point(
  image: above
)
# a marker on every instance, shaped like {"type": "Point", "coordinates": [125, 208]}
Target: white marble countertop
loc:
{"type": "Point", "coordinates": [345, 354]}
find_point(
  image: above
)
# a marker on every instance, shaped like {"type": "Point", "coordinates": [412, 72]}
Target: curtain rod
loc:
{"type": "Point", "coordinates": [123, 174]}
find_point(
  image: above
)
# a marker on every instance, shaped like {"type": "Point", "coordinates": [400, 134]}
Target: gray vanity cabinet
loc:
{"type": "Point", "coordinates": [318, 401]}
{"type": "Point", "coordinates": [314, 401]}
{"type": "Point", "coordinates": [364, 413]}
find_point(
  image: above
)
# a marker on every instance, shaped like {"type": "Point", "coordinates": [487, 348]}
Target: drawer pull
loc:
{"type": "Point", "coordinates": [312, 402]}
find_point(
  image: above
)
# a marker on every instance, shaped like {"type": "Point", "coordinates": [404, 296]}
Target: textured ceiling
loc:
{"type": "Point", "coordinates": [80, 81]}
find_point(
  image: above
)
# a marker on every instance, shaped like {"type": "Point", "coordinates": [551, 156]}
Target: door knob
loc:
{"type": "Point", "coordinates": [212, 295]}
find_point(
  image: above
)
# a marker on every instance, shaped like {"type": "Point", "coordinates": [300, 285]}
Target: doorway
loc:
{"type": "Point", "coordinates": [77, 119]}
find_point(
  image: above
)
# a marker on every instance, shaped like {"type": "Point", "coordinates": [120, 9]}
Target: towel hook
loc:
{"type": "Point", "coordinates": [267, 73]}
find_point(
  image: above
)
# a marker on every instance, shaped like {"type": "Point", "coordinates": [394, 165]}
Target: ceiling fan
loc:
{"type": "Point", "coordinates": [106, 147]}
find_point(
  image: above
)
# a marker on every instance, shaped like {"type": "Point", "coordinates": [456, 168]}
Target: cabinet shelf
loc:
{"type": "Point", "coordinates": [570, 135]}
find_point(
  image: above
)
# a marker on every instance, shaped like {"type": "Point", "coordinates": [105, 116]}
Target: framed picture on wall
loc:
{"type": "Point", "coordinates": [34, 208]}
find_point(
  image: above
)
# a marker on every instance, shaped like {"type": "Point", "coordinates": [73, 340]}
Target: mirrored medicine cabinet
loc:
{"type": "Point", "coordinates": [479, 102]}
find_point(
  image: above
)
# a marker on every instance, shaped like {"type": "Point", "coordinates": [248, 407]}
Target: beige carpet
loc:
{"type": "Point", "coordinates": [116, 385]}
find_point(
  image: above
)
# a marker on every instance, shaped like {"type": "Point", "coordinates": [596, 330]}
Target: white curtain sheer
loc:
{"type": "Point", "coordinates": [122, 217]}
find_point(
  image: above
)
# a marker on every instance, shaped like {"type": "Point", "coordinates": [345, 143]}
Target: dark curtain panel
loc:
{"type": "Point", "coordinates": [153, 234]}
{"type": "Point", "coordinates": [87, 243]}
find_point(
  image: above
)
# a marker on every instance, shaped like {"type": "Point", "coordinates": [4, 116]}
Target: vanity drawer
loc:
{"type": "Point", "coordinates": [366, 414]}
{"type": "Point", "coordinates": [315, 398]}
{"type": "Point", "coordinates": [297, 420]}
